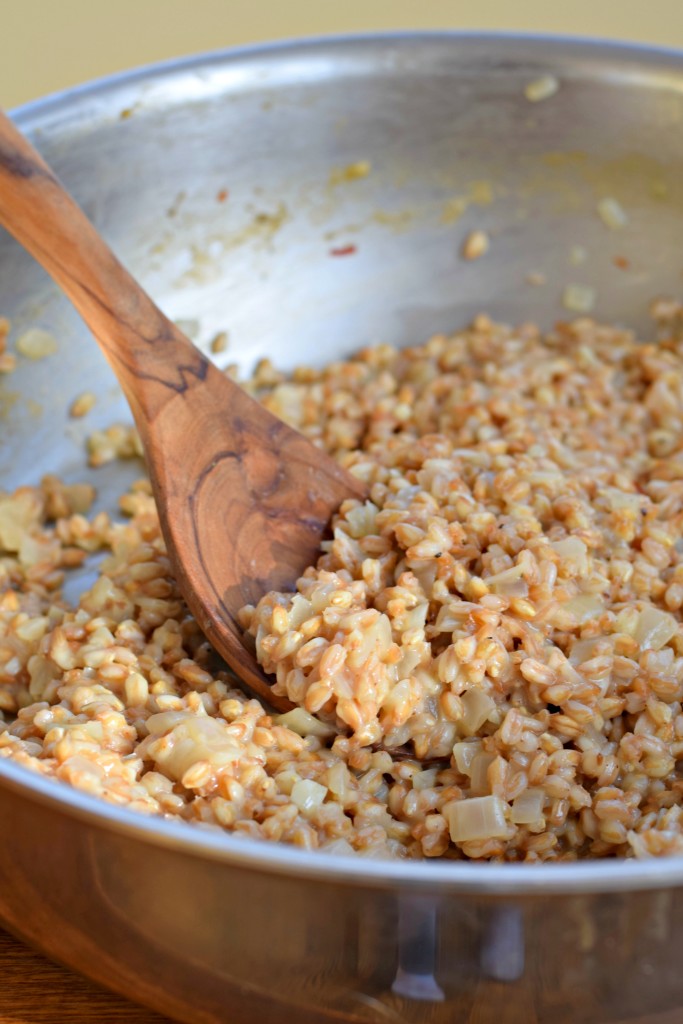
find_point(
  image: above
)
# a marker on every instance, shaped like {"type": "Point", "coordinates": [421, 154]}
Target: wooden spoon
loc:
{"type": "Point", "coordinates": [243, 499]}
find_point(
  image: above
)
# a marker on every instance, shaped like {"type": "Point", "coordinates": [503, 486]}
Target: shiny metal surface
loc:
{"type": "Point", "coordinates": [197, 924]}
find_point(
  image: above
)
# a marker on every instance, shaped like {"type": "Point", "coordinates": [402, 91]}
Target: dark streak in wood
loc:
{"type": "Point", "coordinates": [22, 166]}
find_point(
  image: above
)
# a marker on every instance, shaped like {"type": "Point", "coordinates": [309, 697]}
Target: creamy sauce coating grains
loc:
{"type": "Point", "coordinates": [505, 609]}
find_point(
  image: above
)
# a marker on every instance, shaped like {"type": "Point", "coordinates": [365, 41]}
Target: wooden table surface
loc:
{"type": "Point", "coordinates": [33, 990]}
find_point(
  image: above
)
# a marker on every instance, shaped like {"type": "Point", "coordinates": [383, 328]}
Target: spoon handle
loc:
{"type": "Point", "coordinates": [151, 358]}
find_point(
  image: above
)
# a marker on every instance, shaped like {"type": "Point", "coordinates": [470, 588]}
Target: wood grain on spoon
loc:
{"type": "Point", "coordinates": [243, 499]}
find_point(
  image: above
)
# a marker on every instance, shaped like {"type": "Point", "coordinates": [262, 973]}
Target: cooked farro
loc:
{"type": "Point", "coordinates": [541, 88]}
{"type": "Point", "coordinates": [475, 245]}
{"type": "Point", "coordinates": [505, 608]}
{"type": "Point", "coordinates": [82, 404]}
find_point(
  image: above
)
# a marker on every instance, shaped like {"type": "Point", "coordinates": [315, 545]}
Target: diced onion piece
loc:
{"type": "Point", "coordinates": [361, 519]}
{"type": "Point", "coordinates": [164, 721]}
{"type": "Point", "coordinates": [35, 343]}
{"type": "Point", "coordinates": [477, 706]}
{"type": "Point", "coordinates": [410, 659]}
{"type": "Point", "coordinates": [612, 213]}
{"type": "Point", "coordinates": [464, 753]}
{"type": "Point", "coordinates": [515, 588]}
{"type": "Point", "coordinates": [299, 611]}
{"type": "Point", "coordinates": [659, 663]}
{"type": "Point", "coordinates": [449, 618]}
{"type": "Point", "coordinates": [416, 618]}
{"type": "Point", "coordinates": [320, 595]}
{"type": "Point", "coordinates": [476, 818]}
{"type": "Point", "coordinates": [574, 551]}
{"type": "Point", "coordinates": [527, 808]}
{"type": "Point", "coordinates": [307, 795]}
{"type": "Point", "coordinates": [508, 582]}
{"type": "Point", "coordinates": [287, 780]}
{"type": "Point", "coordinates": [17, 515]}
{"type": "Point", "coordinates": [398, 703]}
{"type": "Point", "coordinates": [579, 298]}
{"type": "Point", "coordinates": [304, 724]}
{"type": "Point", "coordinates": [627, 620]}
{"type": "Point", "coordinates": [190, 738]}
{"type": "Point", "coordinates": [582, 650]}
{"type": "Point", "coordinates": [654, 629]}
{"type": "Point", "coordinates": [338, 780]}
{"type": "Point", "coordinates": [425, 779]}
{"type": "Point", "coordinates": [591, 739]}
{"type": "Point", "coordinates": [425, 573]}
{"type": "Point", "coordinates": [376, 638]}
{"type": "Point", "coordinates": [584, 607]}
{"type": "Point", "coordinates": [287, 402]}
{"type": "Point", "coordinates": [617, 499]}
{"type": "Point", "coordinates": [338, 846]}
{"type": "Point", "coordinates": [33, 550]}
{"type": "Point", "coordinates": [479, 779]}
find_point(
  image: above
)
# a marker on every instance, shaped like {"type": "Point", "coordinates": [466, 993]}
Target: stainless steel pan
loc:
{"type": "Point", "coordinates": [220, 181]}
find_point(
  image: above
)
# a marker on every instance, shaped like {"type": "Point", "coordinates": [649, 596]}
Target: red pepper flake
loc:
{"type": "Point", "coordinates": [222, 195]}
{"type": "Point", "coordinates": [343, 250]}
{"type": "Point", "coordinates": [622, 262]}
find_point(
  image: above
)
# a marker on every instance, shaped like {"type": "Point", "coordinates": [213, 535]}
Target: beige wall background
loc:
{"type": "Point", "coordinates": [52, 44]}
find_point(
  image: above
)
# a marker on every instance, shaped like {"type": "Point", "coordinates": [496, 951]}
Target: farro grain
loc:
{"type": "Point", "coordinates": [541, 88]}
